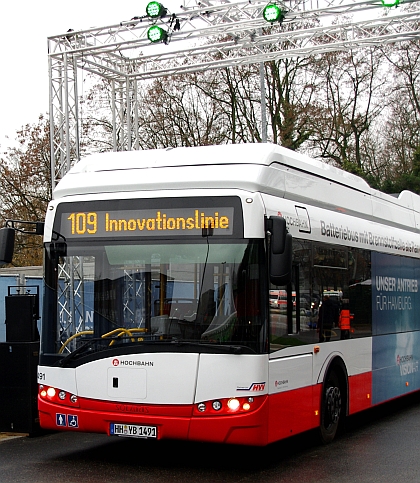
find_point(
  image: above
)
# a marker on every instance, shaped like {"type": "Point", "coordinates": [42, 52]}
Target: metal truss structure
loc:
{"type": "Point", "coordinates": [71, 299]}
{"type": "Point", "coordinates": [214, 34]}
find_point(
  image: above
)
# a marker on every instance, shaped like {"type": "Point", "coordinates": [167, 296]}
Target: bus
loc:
{"type": "Point", "coordinates": [159, 270]}
{"type": "Point", "coordinates": [278, 299]}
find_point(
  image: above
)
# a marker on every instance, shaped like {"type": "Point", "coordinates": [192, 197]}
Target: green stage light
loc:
{"type": "Point", "coordinates": [273, 13]}
{"type": "Point", "coordinates": [390, 4]}
{"type": "Point", "coordinates": [157, 34]}
{"type": "Point", "coordinates": [155, 10]}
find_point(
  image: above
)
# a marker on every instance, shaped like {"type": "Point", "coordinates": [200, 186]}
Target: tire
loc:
{"type": "Point", "coordinates": [331, 408]}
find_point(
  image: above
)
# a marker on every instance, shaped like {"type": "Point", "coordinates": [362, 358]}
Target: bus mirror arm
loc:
{"type": "Point", "coordinates": [280, 259]}
{"type": "Point", "coordinates": [7, 236]}
{"type": "Point", "coordinates": [35, 227]}
{"type": "Point", "coordinates": [58, 248]}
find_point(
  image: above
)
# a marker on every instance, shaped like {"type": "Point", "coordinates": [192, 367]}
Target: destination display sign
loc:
{"type": "Point", "coordinates": [218, 220]}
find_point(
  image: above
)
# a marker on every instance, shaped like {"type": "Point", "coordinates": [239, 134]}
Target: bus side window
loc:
{"type": "Point", "coordinates": [360, 295]}
{"type": "Point", "coordinates": [342, 274]}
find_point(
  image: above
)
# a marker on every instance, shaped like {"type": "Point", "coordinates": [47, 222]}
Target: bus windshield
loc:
{"type": "Point", "coordinates": [106, 297]}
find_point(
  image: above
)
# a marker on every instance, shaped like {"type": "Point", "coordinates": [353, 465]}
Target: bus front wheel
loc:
{"type": "Point", "coordinates": [331, 408]}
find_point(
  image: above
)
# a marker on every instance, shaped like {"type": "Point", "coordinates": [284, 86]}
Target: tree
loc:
{"type": "Point", "coordinates": [348, 106]}
{"type": "Point", "coordinates": [176, 112]}
{"type": "Point", "coordinates": [402, 126]}
{"type": "Point", "coordinates": [291, 89]}
{"type": "Point", "coordinates": [25, 187]}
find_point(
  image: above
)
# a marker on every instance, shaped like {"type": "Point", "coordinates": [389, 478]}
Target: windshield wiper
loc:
{"type": "Point", "coordinates": [224, 348]}
{"type": "Point", "coordinates": [80, 350]}
{"type": "Point", "coordinates": [232, 348]}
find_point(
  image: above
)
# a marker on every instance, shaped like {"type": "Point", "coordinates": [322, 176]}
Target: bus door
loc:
{"type": "Point", "coordinates": [293, 321]}
{"type": "Point", "coordinates": [290, 365]}
{"type": "Point", "coordinates": [291, 394]}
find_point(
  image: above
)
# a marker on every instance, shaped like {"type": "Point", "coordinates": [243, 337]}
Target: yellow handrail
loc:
{"type": "Point", "coordinates": [83, 332]}
{"type": "Point", "coordinates": [120, 331]}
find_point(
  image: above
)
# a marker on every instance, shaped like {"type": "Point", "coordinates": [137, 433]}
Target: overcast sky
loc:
{"type": "Point", "coordinates": [26, 24]}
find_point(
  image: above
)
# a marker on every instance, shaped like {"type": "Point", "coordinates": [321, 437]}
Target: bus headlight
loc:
{"type": "Point", "coordinates": [233, 404]}
{"type": "Point", "coordinates": [57, 396]}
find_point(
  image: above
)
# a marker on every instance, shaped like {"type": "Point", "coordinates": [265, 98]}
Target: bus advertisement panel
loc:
{"type": "Point", "coordinates": [396, 347]}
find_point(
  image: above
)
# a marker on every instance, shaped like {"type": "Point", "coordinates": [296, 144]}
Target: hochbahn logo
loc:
{"type": "Point", "coordinates": [122, 362]}
{"type": "Point", "coordinates": [407, 364]}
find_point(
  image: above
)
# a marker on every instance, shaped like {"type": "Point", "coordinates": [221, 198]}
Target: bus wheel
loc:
{"type": "Point", "coordinates": [331, 408]}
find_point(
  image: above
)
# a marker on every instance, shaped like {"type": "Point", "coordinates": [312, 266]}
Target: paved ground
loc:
{"type": "Point", "coordinates": [6, 436]}
{"type": "Point", "coordinates": [379, 446]}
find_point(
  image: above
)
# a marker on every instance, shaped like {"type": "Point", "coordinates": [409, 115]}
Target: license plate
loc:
{"type": "Point", "coordinates": [133, 430]}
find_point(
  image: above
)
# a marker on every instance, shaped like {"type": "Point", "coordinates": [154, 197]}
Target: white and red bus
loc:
{"type": "Point", "coordinates": [157, 320]}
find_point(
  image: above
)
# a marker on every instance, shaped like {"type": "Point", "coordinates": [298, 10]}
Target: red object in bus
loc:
{"type": "Point", "coordinates": [344, 320]}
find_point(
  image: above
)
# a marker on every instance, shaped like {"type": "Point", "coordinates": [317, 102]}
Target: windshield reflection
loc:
{"type": "Point", "coordinates": [206, 294]}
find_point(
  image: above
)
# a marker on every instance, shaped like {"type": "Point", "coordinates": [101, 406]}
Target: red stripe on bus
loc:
{"type": "Point", "coordinates": [292, 412]}
{"type": "Point", "coordinates": [360, 392]}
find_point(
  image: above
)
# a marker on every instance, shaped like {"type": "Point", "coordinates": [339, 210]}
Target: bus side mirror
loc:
{"type": "Point", "coordinates": [7, 245]}
{"type": "Point", "coordinates": [280, 263]}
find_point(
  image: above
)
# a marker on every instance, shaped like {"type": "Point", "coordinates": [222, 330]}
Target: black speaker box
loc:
{"type": "Point", "coordinates": [21, 318]}
{"type": "Point", "coordinates": [18, 387]}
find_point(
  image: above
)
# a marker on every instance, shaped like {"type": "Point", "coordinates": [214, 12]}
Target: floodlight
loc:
{"type": "Point", "coordinates": [157, 34]}
{"type": "Point", "coordinates": [273, 13]}
{"type": "Point", "coordinates": [155, 10]}
{"type": "Point", "coordinates": [389, 4]}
